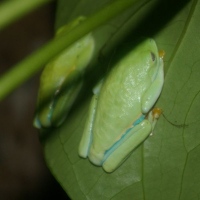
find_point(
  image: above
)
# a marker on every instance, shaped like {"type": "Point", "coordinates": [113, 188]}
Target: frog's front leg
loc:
{"type": "Point", "coordinates": [151, 95]}
{"type": "Point", "coordinates": [121, 149]}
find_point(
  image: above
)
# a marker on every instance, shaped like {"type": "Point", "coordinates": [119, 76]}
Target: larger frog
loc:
{"type": "Point", "coordinates": [120, 116]}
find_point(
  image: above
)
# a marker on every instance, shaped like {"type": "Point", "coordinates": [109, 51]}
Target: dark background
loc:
{"type": "Point", "coordinates": [23, 173]}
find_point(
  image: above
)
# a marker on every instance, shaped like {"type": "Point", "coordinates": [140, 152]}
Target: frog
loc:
{"type": "Point", "coordinates": [61, 79]}
{"type": "Point", "coordinates": [121, 115]}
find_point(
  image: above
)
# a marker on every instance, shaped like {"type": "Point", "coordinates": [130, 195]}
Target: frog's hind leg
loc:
{"type": "Point", "coordinates": [87, 133]}
{"type": "Point", "coordinates": [126, 145]}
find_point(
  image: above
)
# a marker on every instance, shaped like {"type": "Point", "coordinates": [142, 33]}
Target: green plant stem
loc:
{"type": "Point", "coordinates": [32, 64]}
{"type": "Point", "coordinates": [11, 10]}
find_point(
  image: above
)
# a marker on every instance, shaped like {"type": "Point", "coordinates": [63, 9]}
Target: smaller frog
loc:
{"type": "Point", "coordinates": [120, 116]}
{"type": "Point", "coordinates": [59, 82]}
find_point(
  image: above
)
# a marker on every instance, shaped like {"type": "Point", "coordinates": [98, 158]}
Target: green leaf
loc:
{"type": "Point", "coordinates": [166, 165]}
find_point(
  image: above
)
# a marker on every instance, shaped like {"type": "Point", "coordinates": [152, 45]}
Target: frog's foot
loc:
{"type": "Point", "coordinates": [153, 117]}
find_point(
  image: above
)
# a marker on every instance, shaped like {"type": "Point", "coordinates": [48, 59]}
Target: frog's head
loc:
{"type": "Point", "coordinates": [146, 61]}
{"type": "Point", "coordinates": [153, 58]}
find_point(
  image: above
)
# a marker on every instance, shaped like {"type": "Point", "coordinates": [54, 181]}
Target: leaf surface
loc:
{"type": "Point", "coordinates": [166, 165]}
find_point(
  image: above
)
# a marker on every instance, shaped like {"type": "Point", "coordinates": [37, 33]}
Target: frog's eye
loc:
{"type": "Point", "coordinates": [153, 56]}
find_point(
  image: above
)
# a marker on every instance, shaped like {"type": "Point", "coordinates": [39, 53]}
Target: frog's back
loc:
{"type": "Point", "coordinates": [118, 104]}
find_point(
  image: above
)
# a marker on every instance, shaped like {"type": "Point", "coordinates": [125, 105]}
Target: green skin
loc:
{"type": "Point", "coordinates": [127, 95]}
{"type": "Point", "coordinates": [59, 82]}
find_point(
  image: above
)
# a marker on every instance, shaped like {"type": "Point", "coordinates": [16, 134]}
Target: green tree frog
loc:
{"type": "Point", "coordinates": [58, 83]}
{"type": "Point", "coordinates": [120, 115]}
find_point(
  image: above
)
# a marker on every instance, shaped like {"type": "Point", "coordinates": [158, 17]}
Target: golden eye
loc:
{"type": "Point", "coordinates": [153, 56]}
